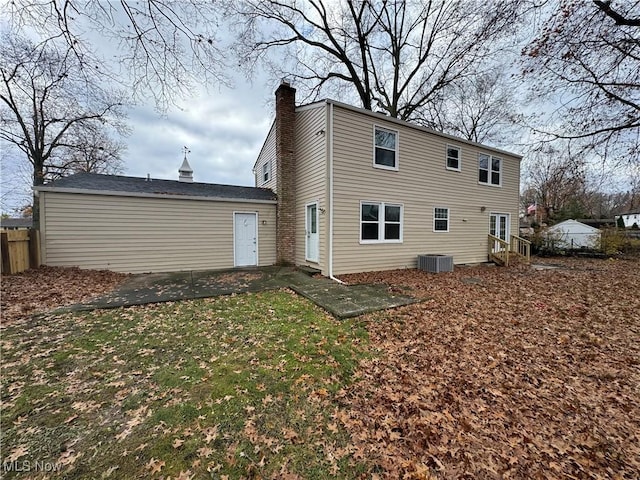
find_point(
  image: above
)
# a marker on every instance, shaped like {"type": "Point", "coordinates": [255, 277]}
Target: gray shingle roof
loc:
{"type": "Point", "coordinates": [16, 223]}
{"type": "Point", "coordinates": [117, 183]}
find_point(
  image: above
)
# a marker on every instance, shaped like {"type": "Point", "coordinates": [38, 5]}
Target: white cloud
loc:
{"type": "Point", "coordinates": [224, 132]}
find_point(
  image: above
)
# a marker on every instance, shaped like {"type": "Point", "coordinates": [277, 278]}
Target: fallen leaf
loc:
{"type": "Point", "coordinates": [17, 453]}
{"type": "Point", "coordinates": [177, 443]}
{"type": "Point", "coordinates": [154, 466]}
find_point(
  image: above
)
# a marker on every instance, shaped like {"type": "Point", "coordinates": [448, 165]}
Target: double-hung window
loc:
{"type": "Point", "coordinates": [489, 170]}
{"type": "Point", "coordinates": [266, 172]}
{"type": "Point", "coordinates": [453, 158]}
{"type": "Point", "coordinates": [380, 222]}
{"type": "Point", "coordinates": [440, 219]}
{"type": "Point", "coordinates": [385, 146]}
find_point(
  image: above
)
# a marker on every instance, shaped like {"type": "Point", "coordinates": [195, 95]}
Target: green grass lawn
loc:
{"type": "Point", "coordinates": [233, 387]}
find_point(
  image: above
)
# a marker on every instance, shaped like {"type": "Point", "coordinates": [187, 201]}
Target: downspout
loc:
{"type": "Point", "coordinates": [330, 161]}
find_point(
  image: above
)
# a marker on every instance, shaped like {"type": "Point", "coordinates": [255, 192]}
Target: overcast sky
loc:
{"type": "Point", "coordinates": [224, 130]}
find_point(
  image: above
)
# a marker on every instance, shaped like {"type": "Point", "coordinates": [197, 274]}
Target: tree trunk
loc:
{"type": "Point", "coordinates": [38, 179]}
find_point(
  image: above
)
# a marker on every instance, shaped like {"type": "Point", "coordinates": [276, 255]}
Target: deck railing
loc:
{"type": "Point", "coordinates": [499, 250]}
{"type": "Point", "coordinates": [522, 247]}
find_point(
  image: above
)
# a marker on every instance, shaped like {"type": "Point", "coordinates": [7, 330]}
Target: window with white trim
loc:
{"type": "Point", "coordinates": [440, 219]}
{"type": "Point", "coordinates": [454, 155]}
{"type": "Point", "coordinates": [385, 146]}
{"type": "Point", "coordinates": [489, 170]}
{"type": "Point", "coordinates": [380, 222]}
{"type": "Point", "coordinates": [266, 172]}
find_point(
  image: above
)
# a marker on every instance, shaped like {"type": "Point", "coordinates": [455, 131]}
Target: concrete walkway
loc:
{"type": "Point", "coordinates": [340, 300]}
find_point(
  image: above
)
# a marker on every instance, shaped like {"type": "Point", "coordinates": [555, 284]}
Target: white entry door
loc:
{"type": "Point", "coordinates": [313, 242]}
{"type": "Point", "coordinates": [245, 239]}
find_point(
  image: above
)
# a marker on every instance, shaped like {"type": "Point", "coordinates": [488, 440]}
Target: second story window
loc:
{"type": "Point", "coordinates": [385, 148]}
{"type": "Point", "coordinates": [489, 170]}
{"type": "Point", "coordinates": [453, 158]}
{"type": "Point", "coordinates": [266, 172]}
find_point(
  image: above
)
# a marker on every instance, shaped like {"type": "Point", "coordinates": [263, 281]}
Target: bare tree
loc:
{"type": "Point", "coordinates": [50, 110]}
{"type": "Point", "coordinates": [601, 204]}
{"type": "Point", "coordinates": [393, 56]}
{"type": "Point", "coordinates": [91, 149]}
{"type": "Point", "coordinates": [481, 108]}
{"type": "Point", "coordinates": [586, 58]}
{"type": "Point", "coordinates": [555, 180]}
{"type": "Point", "coordinates": [620, 19]}
{"type": "Point", "coordinates": [163, 46]}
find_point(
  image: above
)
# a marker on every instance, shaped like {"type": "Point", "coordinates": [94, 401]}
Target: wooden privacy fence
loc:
{"type": "Point", "coordinates": [20, 250]}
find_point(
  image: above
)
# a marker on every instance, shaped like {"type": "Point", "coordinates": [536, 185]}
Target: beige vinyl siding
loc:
{"type": "Point", "coordinates": [421, 183]}
{"type": "Point", "coordinates": [136, 235]}
{"type": "Point", "coordinates": [267, 154]}
{"type": "Point", "coordinates": [311, 178]}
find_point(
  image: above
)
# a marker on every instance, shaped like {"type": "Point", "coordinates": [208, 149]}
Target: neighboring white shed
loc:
{"type": "Point", "coordinates": [572, 234]}
{"type": "Point", "coordinates": [630, 219]}
{"type": "Point", "coordinates": [138, 225]}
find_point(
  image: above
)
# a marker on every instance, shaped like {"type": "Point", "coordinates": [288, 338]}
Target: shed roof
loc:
{"type": "Point", "coordinates": [98, 183]}
{"type": "Point", "coordinates": [572, 224]}
{"type": "Point", "coordinates": [16, 222]}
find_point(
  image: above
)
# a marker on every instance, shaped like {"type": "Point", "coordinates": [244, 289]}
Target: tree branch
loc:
{"type": "Point", "coordinates": [605, 6]}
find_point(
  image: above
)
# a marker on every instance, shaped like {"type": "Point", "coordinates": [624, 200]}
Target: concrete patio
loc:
{"type": "Point", "coordinates": [342, 301]}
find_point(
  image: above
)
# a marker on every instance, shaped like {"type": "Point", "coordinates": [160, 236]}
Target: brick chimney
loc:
{"type": "Point", "coordinates": [285, 169]}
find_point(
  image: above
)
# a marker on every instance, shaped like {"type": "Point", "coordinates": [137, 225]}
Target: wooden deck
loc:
{"type": "Point", "coordinates": [502, 252]}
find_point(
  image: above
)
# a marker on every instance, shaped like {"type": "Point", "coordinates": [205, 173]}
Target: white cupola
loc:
{"type": "Point", "coordinates": [185, 173]}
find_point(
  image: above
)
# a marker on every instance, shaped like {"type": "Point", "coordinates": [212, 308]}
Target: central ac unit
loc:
{"type": "Point", "coordinates": [435, 263]}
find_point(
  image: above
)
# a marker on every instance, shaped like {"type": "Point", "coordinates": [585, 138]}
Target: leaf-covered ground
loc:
{"type": "Point", "coordinates": [505, 373]}
{"type": "Point", "coordinates": [241, 386]}
{"type": "Point", "coordinates": [42, 289]}
{"type": "Point", "coordinates": [515, 372]}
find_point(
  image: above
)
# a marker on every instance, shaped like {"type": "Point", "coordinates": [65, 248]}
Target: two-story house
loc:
{"type": "Point", "coordinates": [360, 191]}
{"type": "Point", "coordinates": [338, 188]}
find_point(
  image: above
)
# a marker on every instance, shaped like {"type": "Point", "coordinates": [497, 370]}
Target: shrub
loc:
{"type": "Point", "coordinates": [613, 241]}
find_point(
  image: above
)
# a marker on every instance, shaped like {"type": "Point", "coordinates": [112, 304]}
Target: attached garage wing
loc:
{"type": "Point", "coordinates": [136, 233]}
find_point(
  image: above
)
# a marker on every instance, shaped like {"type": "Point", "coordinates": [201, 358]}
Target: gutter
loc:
{"type": "Point", "coordinates": [170, 196]}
